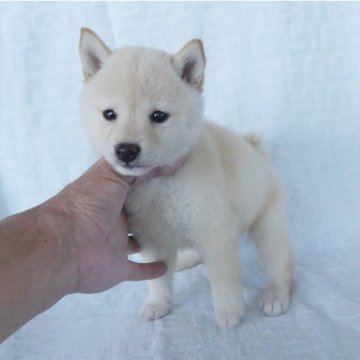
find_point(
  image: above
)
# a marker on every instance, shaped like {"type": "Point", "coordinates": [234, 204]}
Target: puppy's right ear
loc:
{"type": "Point", "coordinates": [93, 52]}
{"type": "Point", "coordinates": [190, 62]}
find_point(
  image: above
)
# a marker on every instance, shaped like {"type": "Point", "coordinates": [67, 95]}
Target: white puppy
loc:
{"type": "Point", "coordinates": [144, 108]}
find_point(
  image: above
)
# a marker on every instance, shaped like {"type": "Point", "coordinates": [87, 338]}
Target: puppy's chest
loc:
{"type": "Point", "coordinates": [160, 209]}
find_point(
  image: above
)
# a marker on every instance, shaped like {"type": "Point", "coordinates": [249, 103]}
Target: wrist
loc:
{"type": "Point", "coordinates": [36, 270]}
{"type": "Point", "coordinates": [57, 233]}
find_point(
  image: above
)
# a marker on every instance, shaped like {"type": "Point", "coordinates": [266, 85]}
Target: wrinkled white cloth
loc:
{"type": "Point", "coordinates": [290, 71]}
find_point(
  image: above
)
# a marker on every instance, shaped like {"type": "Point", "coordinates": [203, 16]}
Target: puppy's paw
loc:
{"type": "Point", "coordinates": [227, 317]}
{"type": "Point", "coordinates": [275, 302]}
{"type": "Point", "coordinates": [153, 311]}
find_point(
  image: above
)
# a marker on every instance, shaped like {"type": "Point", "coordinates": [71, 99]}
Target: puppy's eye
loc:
{"type": "Point", "coordinates": [159, 117]}
{"type": "Point", "coordinates": [109, 114]}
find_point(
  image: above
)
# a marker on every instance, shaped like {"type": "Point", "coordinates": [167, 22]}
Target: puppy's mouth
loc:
{"type": "Point", "coordinates": [132, 166]}
{"type": "Point", "coordinates": [132, 169]}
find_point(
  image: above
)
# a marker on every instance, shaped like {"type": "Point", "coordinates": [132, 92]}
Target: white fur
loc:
{"type": "Point", "coordinates": [227, 186]}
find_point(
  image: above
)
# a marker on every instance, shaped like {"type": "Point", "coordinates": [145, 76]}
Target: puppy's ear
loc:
{"type": "Point", "coordinates": [93, 52]}
{"type": "Point", "coordinates": [190, 62]}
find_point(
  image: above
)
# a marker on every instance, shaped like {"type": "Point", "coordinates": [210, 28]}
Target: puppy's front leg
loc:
{"type": "Point", "coordinates": [160, 289]}
{"type": "Point", "coordinates": [221, 257]}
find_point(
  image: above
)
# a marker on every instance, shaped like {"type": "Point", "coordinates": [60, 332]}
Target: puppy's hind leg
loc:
{"type": "Point", "coordinates": [271, 236]}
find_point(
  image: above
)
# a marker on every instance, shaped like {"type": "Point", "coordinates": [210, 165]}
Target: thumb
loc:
{"type": "Point", "coordinates": [145, 271]}
{"type": "Point", "coordinates": [102, 184]}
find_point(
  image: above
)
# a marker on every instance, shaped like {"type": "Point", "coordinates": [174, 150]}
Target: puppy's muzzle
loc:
{"type": "Point", "coordinates": [127, 152]}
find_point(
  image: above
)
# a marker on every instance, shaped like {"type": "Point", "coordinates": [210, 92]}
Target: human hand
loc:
{"type": "Point", "coordinates": [75, 242]}
{"type": "Point", "coordinates": [92, 207]}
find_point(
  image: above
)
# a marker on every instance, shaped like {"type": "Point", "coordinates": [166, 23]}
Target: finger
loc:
{"type": "Point", "coordinates": [133, 245]}
{"type": "Point", "coordinates": [102, 177]}
{"type": "Point", "coordinates": [139, 271]}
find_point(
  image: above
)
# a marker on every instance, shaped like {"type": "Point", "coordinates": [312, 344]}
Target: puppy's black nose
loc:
{"type": "Point", "coordinates": [127, 152]}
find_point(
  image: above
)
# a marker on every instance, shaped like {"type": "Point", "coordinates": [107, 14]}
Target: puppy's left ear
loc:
{"type": "Point", "coordinates": [93, 52]}
{"type": "Point", "coordinates": [189, 63]}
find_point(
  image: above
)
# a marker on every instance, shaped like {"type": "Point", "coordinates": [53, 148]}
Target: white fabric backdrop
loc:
{"type": "Point", "coordinates": [290, 71]}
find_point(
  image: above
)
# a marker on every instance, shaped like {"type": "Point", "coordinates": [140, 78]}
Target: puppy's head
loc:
{"type": "Point", "coordinates": [142, 107]}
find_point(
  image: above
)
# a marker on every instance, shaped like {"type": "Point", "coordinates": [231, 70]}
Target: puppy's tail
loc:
{"type": "Point", "coordinates": [257, 142]}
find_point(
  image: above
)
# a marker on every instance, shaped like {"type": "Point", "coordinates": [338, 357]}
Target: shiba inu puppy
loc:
{"type": "Point", "coordinates": [143, 108]}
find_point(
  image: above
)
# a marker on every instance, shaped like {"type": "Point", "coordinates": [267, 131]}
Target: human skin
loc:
{"type": "Point", "coordinates": [76, 241]}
